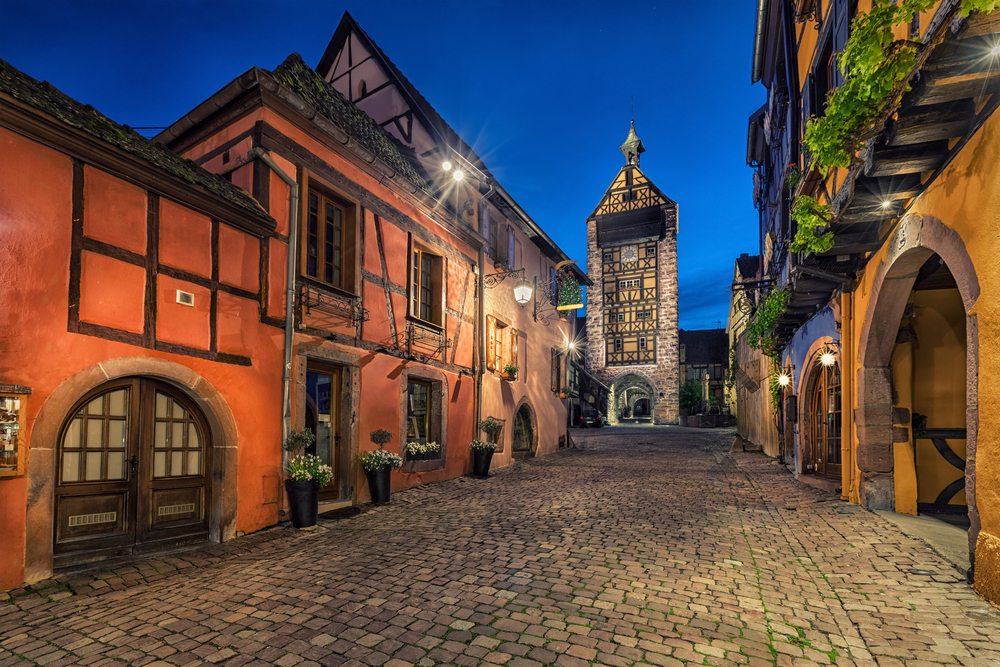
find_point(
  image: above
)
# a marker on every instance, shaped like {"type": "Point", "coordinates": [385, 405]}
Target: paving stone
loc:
{"type": "Point", "coordinates": [642, 545]}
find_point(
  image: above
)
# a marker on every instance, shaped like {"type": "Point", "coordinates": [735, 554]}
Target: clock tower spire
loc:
{"type": "Point", "coordinates": [632, 147]}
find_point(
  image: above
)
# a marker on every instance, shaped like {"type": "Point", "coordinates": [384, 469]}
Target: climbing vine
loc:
{"type": "Point", "coordinates": [734, 367]}
{"type": "Point", "coordinates": [760, 329]}
{"type": "Point", "coordinates": [876, 69]}
{"type": "Point", "coordinates": [811, 217]}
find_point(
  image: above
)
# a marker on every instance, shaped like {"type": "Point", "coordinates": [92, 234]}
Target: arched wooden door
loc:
{"type": "Point", "coordinates": [133, 473]}
{"type": "Point", "coordinates": [825, 421]}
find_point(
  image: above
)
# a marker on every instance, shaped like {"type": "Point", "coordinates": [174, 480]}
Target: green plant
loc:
{"type": "Point", "coordinates": [490, 426]}
{"type": "Point", "coordinates": [503, 262]}
{"type": "Point", "coordinates": [734, 367]}
{"type": "Point", "coordinates": [876, 67]}
{"type": "Point", "coordinates": [511, 370]}
{"type": "Point", "coordinates": [792, 176]}
{"type": "Point", "coordinates": [690, 394]}
{"type": "Point", "coordinates": [811, 217]}
{"type": "Point", "coordinates": [565, 390]}
{"type": "Point", "coordinates": [422, 448]}
{"type": "Point", "coordinates": [307, 467]}
{"type": "Point", "coordinates": [373, 460]}
{"type": "Point", "coordinates": [298, 440]}
{"type": "Point", "coordinates": [480, 446]}
{"type": "Point", "coordinates": [760, 328]}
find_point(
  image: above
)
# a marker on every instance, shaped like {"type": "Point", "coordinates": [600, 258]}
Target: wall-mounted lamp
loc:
{"type": "Point", "coordinates": [522, 291]}
{"type": "Point", "coordinates": [522, 288]}
{"type": "Point", "coordinates": [828, 358]}
{"type": "Point", "coordinates": [784, 379]}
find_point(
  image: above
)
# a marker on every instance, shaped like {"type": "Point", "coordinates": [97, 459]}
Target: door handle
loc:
{"type": "Point", "coordinates": [133, 464]}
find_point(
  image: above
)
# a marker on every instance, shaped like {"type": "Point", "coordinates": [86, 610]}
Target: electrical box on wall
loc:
{"type": "Point", "coordinates": [13, 452]}
{"type": "Point", "coordinates": [791, 408]}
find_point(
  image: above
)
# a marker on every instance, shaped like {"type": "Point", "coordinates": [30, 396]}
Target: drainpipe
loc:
{"type": "Point", "coordinates": [293, 247]}
{"type": "Point", "coordinates": [847, 480]}
{"type": "Point", "coordinates": [481, 316]}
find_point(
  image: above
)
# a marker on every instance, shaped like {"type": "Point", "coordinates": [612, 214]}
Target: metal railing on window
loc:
{"type": "Point", "coordinates": [348, 308]}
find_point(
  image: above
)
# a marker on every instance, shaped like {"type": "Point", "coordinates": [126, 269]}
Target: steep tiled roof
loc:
{"type": "Point", "coordinates": [48, 99]}
{"type": "Point", "coordinates": [305, 82]}
{"type": "Point", "coordinates": [705, 346]}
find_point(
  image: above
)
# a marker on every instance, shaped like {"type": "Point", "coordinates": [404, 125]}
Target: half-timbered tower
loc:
{"type": "Point", "coordinates": [632, 309]}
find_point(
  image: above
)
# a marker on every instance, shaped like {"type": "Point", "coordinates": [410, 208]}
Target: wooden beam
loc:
{"type": "Point", "coordinates": [931, 123]}
{"type": "Point", "coordinates": [875, 190]}
{"type": "Point", "coordinates": [954, 84]}
{"type": "Point", "coordinates": [979, 24]}
{"type": "Point", "coordinates": [907, 159]}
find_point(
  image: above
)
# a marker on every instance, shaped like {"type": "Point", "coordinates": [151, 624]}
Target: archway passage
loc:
{"type": "Point", "coordinates": [631, 401]}
{"type": "Point", "coordinates": [131, 473]}
{"type": "Point", "coordinates": [524, 432]}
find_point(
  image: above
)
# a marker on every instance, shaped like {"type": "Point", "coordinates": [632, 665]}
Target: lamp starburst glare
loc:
{"type": "Point", "coordinates": [446, 165]}
{"type": "Point", "coordinates": [784, 380]}
{"type": "Point", "coordinates": [458, 175]}
{"type": "Point", "coordinates": [827, 359]}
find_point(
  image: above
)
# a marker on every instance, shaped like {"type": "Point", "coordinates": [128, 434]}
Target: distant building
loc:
{"type": "Point", "coordinates": [705, 352]}
{"type": "Point", "coordinates": [632, 307]}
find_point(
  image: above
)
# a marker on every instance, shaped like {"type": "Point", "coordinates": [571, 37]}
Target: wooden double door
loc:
{"type": "Point", "coordinates": [133, 473]}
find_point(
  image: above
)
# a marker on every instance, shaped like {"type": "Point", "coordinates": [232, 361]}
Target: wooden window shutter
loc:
{"type": "Point", "coordinates": [554, 380]}
{"type": "Point", "coordinates": [513, 346]}
{"type": "Point", "coordinates": [491, 342]}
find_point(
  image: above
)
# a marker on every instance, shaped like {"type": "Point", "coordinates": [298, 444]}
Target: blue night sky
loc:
{"type": "Point", "coordinates": [541, 89]}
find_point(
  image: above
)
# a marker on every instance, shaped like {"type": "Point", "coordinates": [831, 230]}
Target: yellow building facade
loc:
{"type": "Point", "coordinates": [889, 340]}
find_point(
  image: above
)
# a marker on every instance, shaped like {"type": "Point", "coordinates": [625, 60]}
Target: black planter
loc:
{"type": "Point", "coordinates": [303, 501]}
{"type": "Point", "coordinates": [417, 457]}
{"type": "Point", "coordinates": [481, 462]}
{"type": "Point", "coordinates": [379, 484]}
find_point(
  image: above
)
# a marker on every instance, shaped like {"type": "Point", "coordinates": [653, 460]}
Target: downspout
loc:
{"type": "Point", "coordinates": [481, 314]}
{"type": "Point", "coordinates": [847, 482]}
{"type": "Point", "coordinates": [293, 248]}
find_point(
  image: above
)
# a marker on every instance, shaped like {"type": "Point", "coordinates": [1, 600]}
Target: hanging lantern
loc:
{"type": "Point", "coordinates": [522, 291]}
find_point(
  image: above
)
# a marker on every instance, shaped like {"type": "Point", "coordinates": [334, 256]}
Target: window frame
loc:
{"type": "Point", "coordinates": [348, 268]}
{"type": "Point", "coordinates": [416, 288]}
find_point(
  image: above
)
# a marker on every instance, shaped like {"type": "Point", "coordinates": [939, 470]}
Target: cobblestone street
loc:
{"type": "Point", "coordinates": [643, 545]}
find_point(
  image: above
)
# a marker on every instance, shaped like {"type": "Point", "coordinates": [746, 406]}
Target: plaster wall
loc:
{"type": "Point", "coordinates": [957, 217]}
{"type": "Point", "coordinates": [36, 195]}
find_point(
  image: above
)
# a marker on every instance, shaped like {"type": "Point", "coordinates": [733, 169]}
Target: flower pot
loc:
{"type": "Point", "coordinates": [303, 502]}
{"type": "Point", "coordinates": [379, 484]}
{"type": "Point", "coordinates": [422, 456]}
{"type": "Point", "coordinates": [481, 462]}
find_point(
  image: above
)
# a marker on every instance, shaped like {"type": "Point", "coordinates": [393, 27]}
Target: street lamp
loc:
{"type": "Point", "coordinates": [522, 291]}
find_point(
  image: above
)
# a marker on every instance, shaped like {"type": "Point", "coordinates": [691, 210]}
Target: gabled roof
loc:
{"type": "Point", "coordinates": [295, 75]}
{"type": "Point", "coordinates": [433, 122]}
{"type": "Point", "coordinates": [44, 97]}
{"type": "Point", "coordinates": [654, 198]}
{"type": "Point", "coordinates": [705, 346]}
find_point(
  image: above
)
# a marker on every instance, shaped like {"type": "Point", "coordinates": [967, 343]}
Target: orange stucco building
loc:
{"type": "Point", "coordinates": [277, 258]}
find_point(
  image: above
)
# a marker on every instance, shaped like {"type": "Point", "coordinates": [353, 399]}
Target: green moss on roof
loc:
{"type": "Point", "coordinates": [48, 99]}
{"type": "Point", "coordinates": [305, 82]}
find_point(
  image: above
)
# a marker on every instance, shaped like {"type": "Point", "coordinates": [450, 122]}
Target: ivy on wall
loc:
{"type": "Point", "coordinates": [760, 328]}
{"type": "Point", "coordinates": [876, 67]}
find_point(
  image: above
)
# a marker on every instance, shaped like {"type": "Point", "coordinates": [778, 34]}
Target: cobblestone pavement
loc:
{"type": "Point", "coordinates": [644, 545]}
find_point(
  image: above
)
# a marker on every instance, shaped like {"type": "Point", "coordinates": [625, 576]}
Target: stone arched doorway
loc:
{"type": "Point", "coordinates": [921, 300]}
{"type": "Point", "coordinates": [219, 423]}
{"type": "Point", "coordinates": [524, 437]}
{"type": "Point", "coordinates": [627, 393]}
{"type": "Point", "coordinates": [133, 473]}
